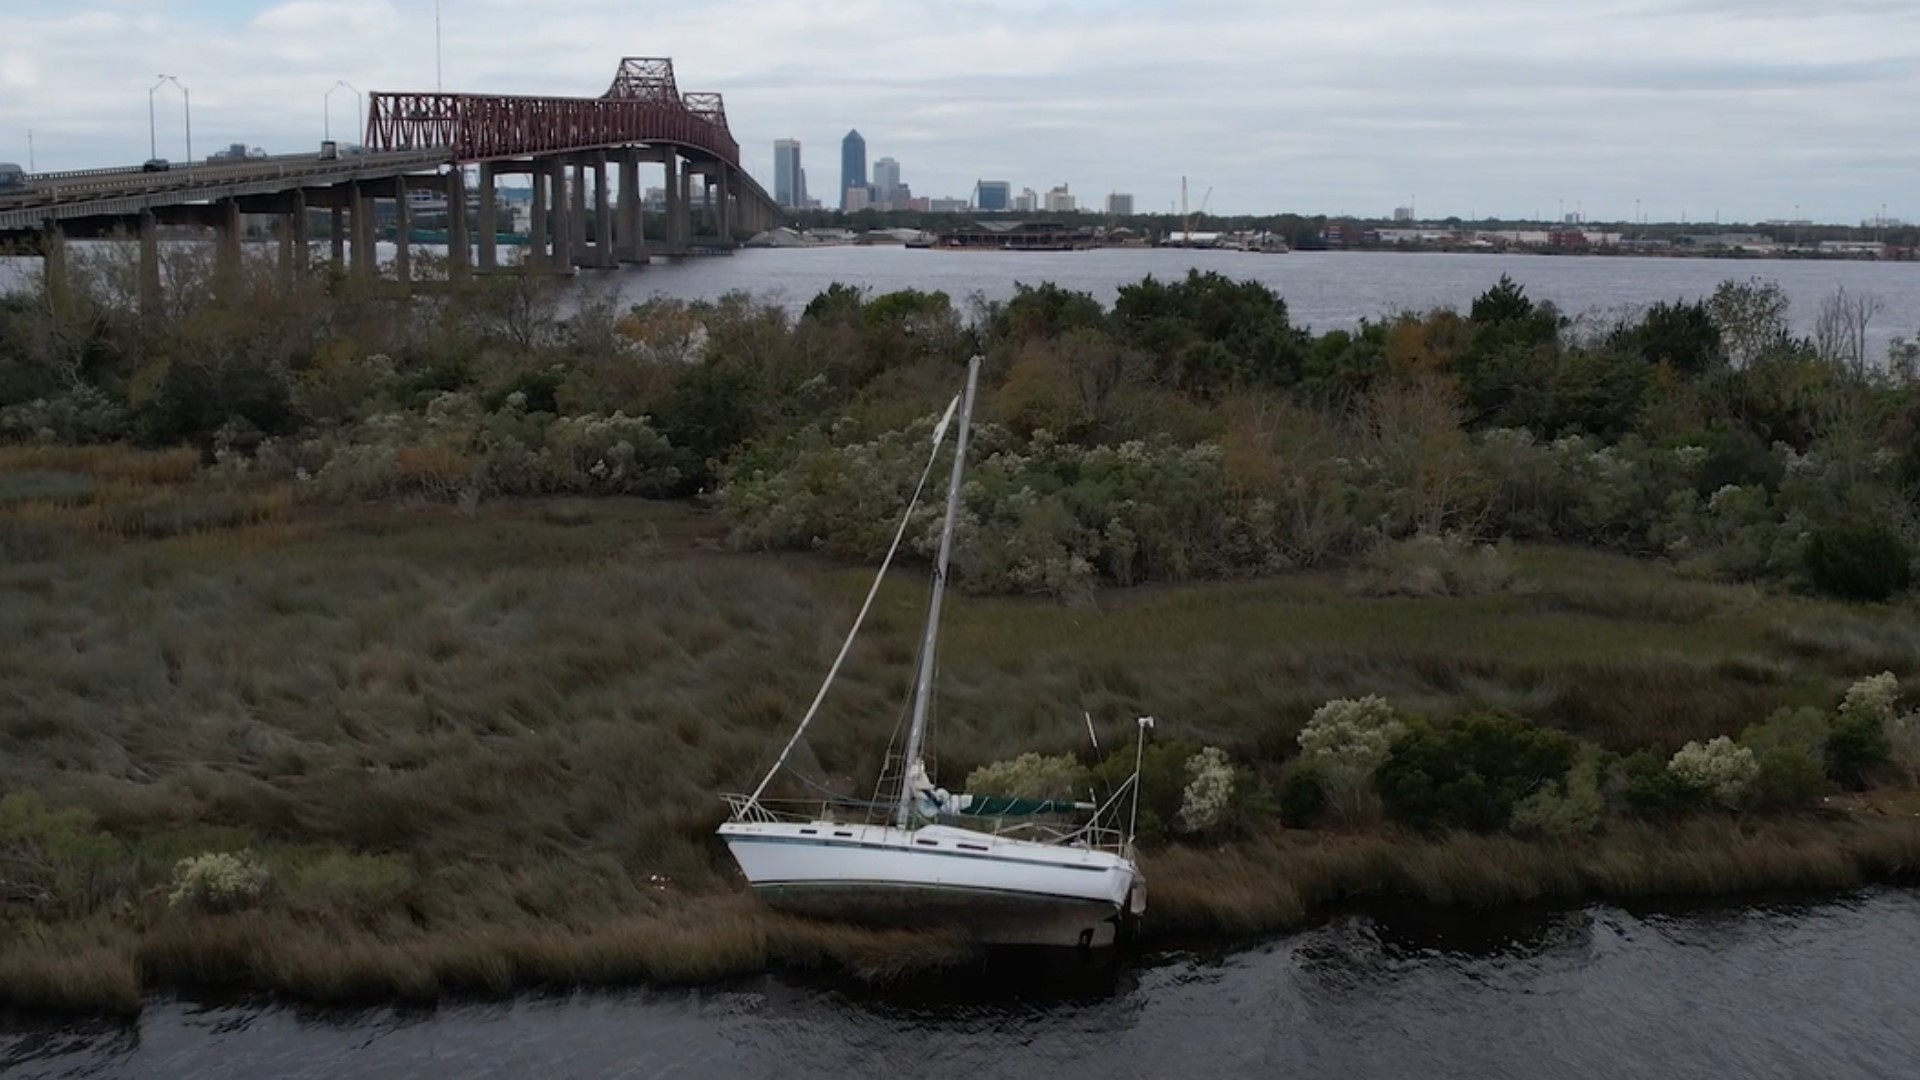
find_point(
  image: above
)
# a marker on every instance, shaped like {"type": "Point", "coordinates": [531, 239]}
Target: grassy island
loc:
{"type": "Point", "coordinates": [364, 646]}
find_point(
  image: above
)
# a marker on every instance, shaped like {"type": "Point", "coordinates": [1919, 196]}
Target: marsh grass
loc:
{"type": "Point", "coordinates": [482, 750]}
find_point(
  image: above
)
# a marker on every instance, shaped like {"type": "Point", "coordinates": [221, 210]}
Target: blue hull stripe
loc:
{"type": "Point", "coordinates": [748, 838]}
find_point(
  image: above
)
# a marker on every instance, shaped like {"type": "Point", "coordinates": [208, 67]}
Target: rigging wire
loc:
{"type": "Point", "coordinates": [933, 458]}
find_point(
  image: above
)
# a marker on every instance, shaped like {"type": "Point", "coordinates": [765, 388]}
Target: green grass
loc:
{"type": "Point", "coordinates": [483, 750]}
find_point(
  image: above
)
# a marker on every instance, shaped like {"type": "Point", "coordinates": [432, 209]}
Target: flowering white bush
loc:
{"type": "Point", "coordinates": [1348, 738]}
{"type": "Point", "coordinates": [1209, 793]}
{"type": "Point", "coordinates": [1720, 768]}
{"type": "Point", "coordinates": [1029, 776]}
{"type": "Point", "coordinates": [1874, 696]}
{"type": "Point", "coordinates": [218, 881]}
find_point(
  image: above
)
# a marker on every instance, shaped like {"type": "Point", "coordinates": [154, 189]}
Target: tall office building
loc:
{"type": "Point", "coordinates": [853, 165]}
{"type": "Point", "coordinates": [992, 195]}
{"type": "Point", "coordinates": [1120, 204]}
{"type": "Point", "coordinates": [789, 180]}
{"type": "Point", "coordinates": [1059, 201]}
{"type": "Point", "coordinates": [886, 182]}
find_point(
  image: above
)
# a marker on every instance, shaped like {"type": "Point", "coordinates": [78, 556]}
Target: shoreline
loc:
{"type": "Point", "coordinates": [1275, 884]}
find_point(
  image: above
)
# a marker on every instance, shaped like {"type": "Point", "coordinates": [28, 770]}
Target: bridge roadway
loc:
{"type": "Point", "coordinates": [428, 142]}
{"type": "Point", "coordinates": [125, 192]}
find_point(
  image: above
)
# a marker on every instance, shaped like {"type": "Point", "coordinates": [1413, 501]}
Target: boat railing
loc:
{"type": "Point", "coordinates": [770, 811]}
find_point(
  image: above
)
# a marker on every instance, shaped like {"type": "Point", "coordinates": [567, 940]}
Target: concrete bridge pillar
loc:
{"type": "Point", "coordinates": [358, 207]}
{"type": "Point", "coordinates": [489, 240]}
{"type": "Point", "coordinates": [337, 230]}
{"type": "Point", "coordinates": [537, 253]}
{"type": "Point", "coordinates": [297, 228]}
{"type": "Point", "coordinates": [227, 255]}
{"type": "Point", "coordinates": [576, 212]}
{"type": "Point", "coordinates": [676, 227]}
{"type": "Point", "coordinates": [402, 234]}
{"type": "Point", "coordinates": [632, 225]}
{"type": "Point", "coordinates": [563, 218]}
{"type": "Point", "coordinates": [602, 213]}
{"type": "Point", "coordinates": [459, 249]}
{"type": "Point", "coordinates": [149, 263]}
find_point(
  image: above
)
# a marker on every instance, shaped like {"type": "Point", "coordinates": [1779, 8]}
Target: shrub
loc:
{"type": "Point", "coordinates": [1569, 807]}
{"type": "Point", "coordinates": [1208, 799]}
{"type": "Point", "coordinates": [1427, 565]}
{"type": "Point", "coordinates": [1648, 789]}
{"type": "Point", "coordinates": [1348, 738]}
{"type": "Point", "coordinates": [1790, 747]}
{"type": "Point", "coordinates": [1719, 768]}
{"type": "Point", "coordinates": [1031, 776]}
{"type": "Point", "coordinates": [1303, 797]}
{"type": "Point", "coordinates": [1469, 774]}
{"type": "Point", "coordinates": [1875, 696]}
{"type": "Point", "coordinates": [218, 881]}
{"type": "Point", "coordinates": [54, 859]}
{"type": "Point", "coordinates": [1904, 735]}
{"type": "Point", "coordinates": [1864, 561]}
{"type": "Point", "coordinates": [1856, 747]}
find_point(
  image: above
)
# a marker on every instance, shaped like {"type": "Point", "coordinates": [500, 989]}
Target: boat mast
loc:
{"type": "Point", "coordinates": [923, 685]}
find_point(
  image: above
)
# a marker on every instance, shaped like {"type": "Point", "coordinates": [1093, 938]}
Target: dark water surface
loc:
{"type": "Point", "coordinates": [1325, 290]}
{"type": "Point", "coordinates": [1818, 989]}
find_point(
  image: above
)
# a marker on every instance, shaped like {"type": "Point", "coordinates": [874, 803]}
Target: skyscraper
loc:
{"type": "Point", "coordinates": [789, 180]}
{"type": "Point", "coordinates": [886, 181]}
{"type": "Point", "coordinates": [1120, 204]}
{"type": "Point", "coordinates": [992, 195]}
{"type": "Point", "coordinates": [853, 165]}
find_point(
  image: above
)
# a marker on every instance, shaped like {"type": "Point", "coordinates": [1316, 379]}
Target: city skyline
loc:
{"type": "Point", "coordinates": [1744, 108]}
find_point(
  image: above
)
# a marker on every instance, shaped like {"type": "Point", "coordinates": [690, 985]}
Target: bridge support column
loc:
{"type": "Point", "coordinates": [359, 208]}
{"type": "Point", "coordinates": [227, 255]}
{"type": "Point", "coordinates": [602, 213]}
{"type": "Point", "coordinates": [724, 225]}
{"type": "Point", "coordinates": [489, 240]}
{"type": "Point", "coordinates": [297, 228]}
{"type": "Point", "coordinates": [402, 234]}
{"type": "Point", "coordinates": [53, 265]}
{"type": "Point", "coordinates": [149, 263]}
{"type": "Point", "coordinates": [337, 231]}
{"type": "Point", "coordinates": [563, 220]}
{"type": "Point", "coordinates": [577, 213]}
{"type": "Point", "coordinates": [459, 250]}
{"type": "Point", "coordinates": [632, 226]}
{"type": "Point", "coordinates": [537, 254]}
{"type": "Point", "coordinates": [676, 227]}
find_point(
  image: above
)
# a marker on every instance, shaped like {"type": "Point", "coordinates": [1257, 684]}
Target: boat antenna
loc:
{"type": "Point", "coordinates": [1139, 755]}
{"type": "Point", "coordinates": [923, 688]}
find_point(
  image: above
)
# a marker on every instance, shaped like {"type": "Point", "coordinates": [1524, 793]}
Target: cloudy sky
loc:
{"type": "Point", "coordinates": [1747, 108]}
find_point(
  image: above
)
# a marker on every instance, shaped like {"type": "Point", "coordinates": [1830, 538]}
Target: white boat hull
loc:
{"type": "Point", "coordinates": [995, 890]}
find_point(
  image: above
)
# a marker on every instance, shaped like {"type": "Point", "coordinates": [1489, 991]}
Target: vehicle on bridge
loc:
{"type": "Point", "coordinates": [158, 164]}
{"type": "Point", "coordinates": [12, 176]}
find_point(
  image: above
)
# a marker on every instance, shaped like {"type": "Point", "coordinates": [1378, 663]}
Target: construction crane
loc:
{"type": "Point", "coordinates": [1186, 224]}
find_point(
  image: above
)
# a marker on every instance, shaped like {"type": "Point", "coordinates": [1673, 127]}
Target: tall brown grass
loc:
{"type": "Point", "coordinates": [480, 751]}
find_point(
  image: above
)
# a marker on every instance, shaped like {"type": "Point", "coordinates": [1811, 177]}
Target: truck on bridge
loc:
{"type": "Point", "coordinates": [12, 176]}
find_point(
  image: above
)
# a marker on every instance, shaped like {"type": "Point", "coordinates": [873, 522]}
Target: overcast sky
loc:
{"type": "Point", "coordinates": [1469, 107]}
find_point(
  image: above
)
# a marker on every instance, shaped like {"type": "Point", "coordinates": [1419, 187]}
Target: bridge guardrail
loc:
{"type": "Point", "coordinates": [185, 178]}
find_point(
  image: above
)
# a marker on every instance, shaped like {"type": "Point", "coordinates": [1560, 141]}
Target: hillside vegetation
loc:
{"type": "Point", "coordinates": [369, 646]}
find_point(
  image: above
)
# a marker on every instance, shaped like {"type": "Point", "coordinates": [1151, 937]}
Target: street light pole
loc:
{"type": "Point", "coordinates": [338, 84]}
{"type": "Point", "coordinates": [153, 140]}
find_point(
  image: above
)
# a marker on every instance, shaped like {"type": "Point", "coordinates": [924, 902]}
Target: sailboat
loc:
{"type": "Point", "coordinates": [1005, 871]}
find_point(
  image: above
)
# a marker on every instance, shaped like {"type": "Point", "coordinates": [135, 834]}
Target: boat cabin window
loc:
{"type": "Point", "coordinates": [972, 847]}
{"type": "Point", "coordinates": [928, 843]}
{"type": "Point", "coordinates": [809, 832]}
{"type": "Point", "coordinates": [837, 832]}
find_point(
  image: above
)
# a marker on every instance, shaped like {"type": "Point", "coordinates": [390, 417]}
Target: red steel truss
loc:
{"type": "Point", "coordinates": [642, 106]}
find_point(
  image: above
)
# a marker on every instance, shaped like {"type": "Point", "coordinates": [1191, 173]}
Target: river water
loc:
{"type": "Point", "coordinates": [1324, 290]}
{"type": "Point", "coordinates": [1826, 988]}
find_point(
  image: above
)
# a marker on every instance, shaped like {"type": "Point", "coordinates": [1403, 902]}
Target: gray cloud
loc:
{"type": "Point", "coordinates": [1500, 106]}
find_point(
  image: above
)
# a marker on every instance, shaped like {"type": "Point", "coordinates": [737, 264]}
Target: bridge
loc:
{"type": "Point", "coordinates": [427, 142]}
